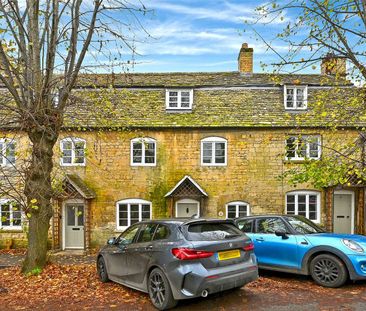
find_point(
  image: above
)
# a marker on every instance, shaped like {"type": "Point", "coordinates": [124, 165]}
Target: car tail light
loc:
{"type": "Point", "coordinates": [249, 247]}
{"type": "Point", "coordinates": [188, 253]}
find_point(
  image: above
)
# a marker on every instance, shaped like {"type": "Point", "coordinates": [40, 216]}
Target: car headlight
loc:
{"type": "Point", "coordinates": [352, 245]}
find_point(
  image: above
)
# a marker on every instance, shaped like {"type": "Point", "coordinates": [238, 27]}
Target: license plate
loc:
{"type": "Point", "coordinates": [229, 254]}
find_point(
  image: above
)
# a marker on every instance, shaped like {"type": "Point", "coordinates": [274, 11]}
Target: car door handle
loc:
{"type": "Point", "coordinates": [259, 239]}
{"type": "Point", "coordinates": [119, 251]}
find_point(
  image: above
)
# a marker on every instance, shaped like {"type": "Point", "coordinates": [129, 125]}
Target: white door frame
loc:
{"type": "Point", "coordinates": [352, 193]}
{"type": "Point", "coordinates": [188, 201]}
{"type": "Point", "coordinates": [70, 201]}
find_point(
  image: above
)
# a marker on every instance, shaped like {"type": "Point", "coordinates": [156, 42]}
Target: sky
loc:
{"type": "Point", "coordinates": [188, 35]}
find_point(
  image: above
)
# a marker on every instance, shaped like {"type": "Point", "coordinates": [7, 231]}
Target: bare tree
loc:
{"type": "Point", "coordinates": [43, 48]}
{"type": "Point", "coordinates": [316, 28]}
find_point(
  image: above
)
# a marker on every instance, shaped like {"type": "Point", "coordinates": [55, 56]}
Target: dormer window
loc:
{"type": "Point", "coordinates": [179, 99]}
{"type": "Point", "coordinates": [296, 97]}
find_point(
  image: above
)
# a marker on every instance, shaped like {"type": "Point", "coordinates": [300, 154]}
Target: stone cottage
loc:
{"type": "Point", "coordinates": [161, 145]}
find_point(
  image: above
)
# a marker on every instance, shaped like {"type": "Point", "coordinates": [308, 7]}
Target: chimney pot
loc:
{"type": "Point", "coordinates": [245, 59]}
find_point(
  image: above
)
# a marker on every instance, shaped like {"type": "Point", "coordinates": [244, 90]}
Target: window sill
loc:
{"type": "Point", "coordinates": [120, 229]}
{"type": "Point", "coordinates": [178, 110]}
{"type": "Point", "coordinates": [11, 230]}
{"type": "Point", "coordinates": [143, 165]}
{"type": "Point", "coordinates": [72, 165]}
{"type": "Point", "coordinates": [299, 161]}
{"type": "Point", "coordinates": [294, 110]}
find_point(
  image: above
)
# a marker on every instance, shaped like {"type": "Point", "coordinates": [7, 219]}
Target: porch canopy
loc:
{"type": "Point", "coordinates": [187, 198]}
{"type": "Point", "coordinates": [74, 187]}
{"type": "Point", "coordinates": [187, 187]}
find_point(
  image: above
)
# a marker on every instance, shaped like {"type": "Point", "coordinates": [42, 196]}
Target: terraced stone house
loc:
{"type": "Point", "coordinates": [179, 144]}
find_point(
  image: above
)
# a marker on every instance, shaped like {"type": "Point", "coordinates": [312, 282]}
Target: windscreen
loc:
{"type": "Point", "coordinates": [212, 231]}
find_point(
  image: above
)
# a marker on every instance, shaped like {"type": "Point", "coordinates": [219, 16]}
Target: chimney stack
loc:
{"type": "Point", "coordinates": [333, 65]}
{"type": "Point", "coordinates": [245, 59]}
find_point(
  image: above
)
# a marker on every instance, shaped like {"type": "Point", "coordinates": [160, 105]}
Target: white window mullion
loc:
{"type": "Point", "coordinates": [213, 160]}
{"type": "Point", "coordinates": [296, 205]}
{"type": "Point", "coordinates": [140, 212]}
{"type": "Point", "coordinates": [307, 147]}
{"type": "Point", "coordinates": [72, 152]}
{"type": "Point", "coordinates": [11, 216]}
{"type": "Point", "coordinates": [179, 99]}
{"type": "Point", "coordinates": [129, 214]}
{"type": "Point", "coordinates": [307, 206]}
{"type": "Point", "coordinates": [237, 210]}
{"type": "Point", "coordinates": [143, 152]}
{"type": "Point", "coordinates": [294, 101]}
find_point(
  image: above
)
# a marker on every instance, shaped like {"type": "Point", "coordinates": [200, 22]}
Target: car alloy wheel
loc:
{"type": "Point", "coordinates": [159, 290]}
{"type": "Point", "coordinates": [329, 271]}
{"type": "Point", "coordinates": [102, 271]}
{"type": "Point", "coordinates": [326, 270]}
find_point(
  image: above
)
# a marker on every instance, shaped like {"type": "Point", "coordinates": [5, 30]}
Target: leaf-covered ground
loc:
{"type": "Point", "coordinates": [76, 287]}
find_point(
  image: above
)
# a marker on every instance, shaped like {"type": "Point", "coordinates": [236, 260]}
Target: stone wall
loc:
{"type": "Point", "coordinates": [255, 160]}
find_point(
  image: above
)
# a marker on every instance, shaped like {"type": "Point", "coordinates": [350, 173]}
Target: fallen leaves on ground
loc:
{"type": "Point", "coordinates": [16, 251]}
{"type": "Point", "coordinates": [62, 287]}
{"type": "Point", "coordinates": [77, 287]}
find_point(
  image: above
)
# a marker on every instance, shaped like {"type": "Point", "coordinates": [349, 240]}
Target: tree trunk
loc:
{"type": "Point", "coordinates": [38, 191]}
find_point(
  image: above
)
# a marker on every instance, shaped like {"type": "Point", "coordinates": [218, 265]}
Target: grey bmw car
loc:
{"type": "Point", "coordinates": [179, 258]}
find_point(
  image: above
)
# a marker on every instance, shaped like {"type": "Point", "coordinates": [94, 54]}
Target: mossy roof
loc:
{"type": "Point", "coordinates": [225, 99]}
{"type": "Point", "coordinates": [201, 79]}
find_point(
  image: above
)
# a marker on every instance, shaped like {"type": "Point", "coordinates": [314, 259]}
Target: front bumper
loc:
{"type": "Point", "coordinates": [359, 267]}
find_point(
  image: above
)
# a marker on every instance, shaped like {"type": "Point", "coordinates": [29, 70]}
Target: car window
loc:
{"type": "Point", "coordinates": [127, 236]}
{"type": "Point", "coordinates": [246, 225]}
{"type": "Point", "coordinates": [161, 233]}
{"type": "Point", "coordinates": [303, 225]}
{"type": "Point", "coordinates": [146, 233]}
{"type": "Point", "coordinates": [270, 225]}
{"type": "Point", "coordinates": [212, 231]}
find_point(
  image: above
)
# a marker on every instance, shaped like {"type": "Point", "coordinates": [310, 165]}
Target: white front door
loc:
{"type": "Point", "coordinates": [74, 225]}
{"type": "Point", "coordinates": [343, 212]}
{"type": "Point", "coordinates": [187, 208]}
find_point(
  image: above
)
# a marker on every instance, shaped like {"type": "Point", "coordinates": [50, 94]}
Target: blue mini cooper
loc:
{"type": "Point", "coordinates": [295, 244]}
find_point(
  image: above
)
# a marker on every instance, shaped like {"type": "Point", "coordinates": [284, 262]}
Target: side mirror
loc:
{"type": "Point", "coordinates": [281, 233]}
{"type": "Point", "coordinates": [111, 241]}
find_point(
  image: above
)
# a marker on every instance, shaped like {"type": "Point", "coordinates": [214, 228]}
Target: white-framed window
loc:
{"type": "Point", "coordinates": [7, 152]}
{"type": "Point", "coordinates": [296, 97]}
{"type": "Point", "coordinates": [72, 151]}
{"type": "Point", "coordinates": [304, 203]}
{"type": "Point", "coordinates": [143, 152]}
{"type": "Point", "coordinates": [301, 147]}
{"type": "Point", "coordinates": [179, 99]}
{"type": "Point", "coordinates": [10, 215]}
{"type": "Point", "coordinates": [214, 151]}
{"type": "Point", "coordinates": [130, 211]}
{"type": "Point", "coordinates": [237, 209]}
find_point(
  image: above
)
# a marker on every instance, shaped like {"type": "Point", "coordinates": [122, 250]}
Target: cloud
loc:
{"type": "Point", "coordinates": [220, 11]}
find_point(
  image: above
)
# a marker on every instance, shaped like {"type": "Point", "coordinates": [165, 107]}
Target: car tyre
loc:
{"type": "Point", "coordinates": [160, 291]}
{"type": "Point", "coordinates": [328, 271]}
{"type": "Point", "coordinates": [102, 270]}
